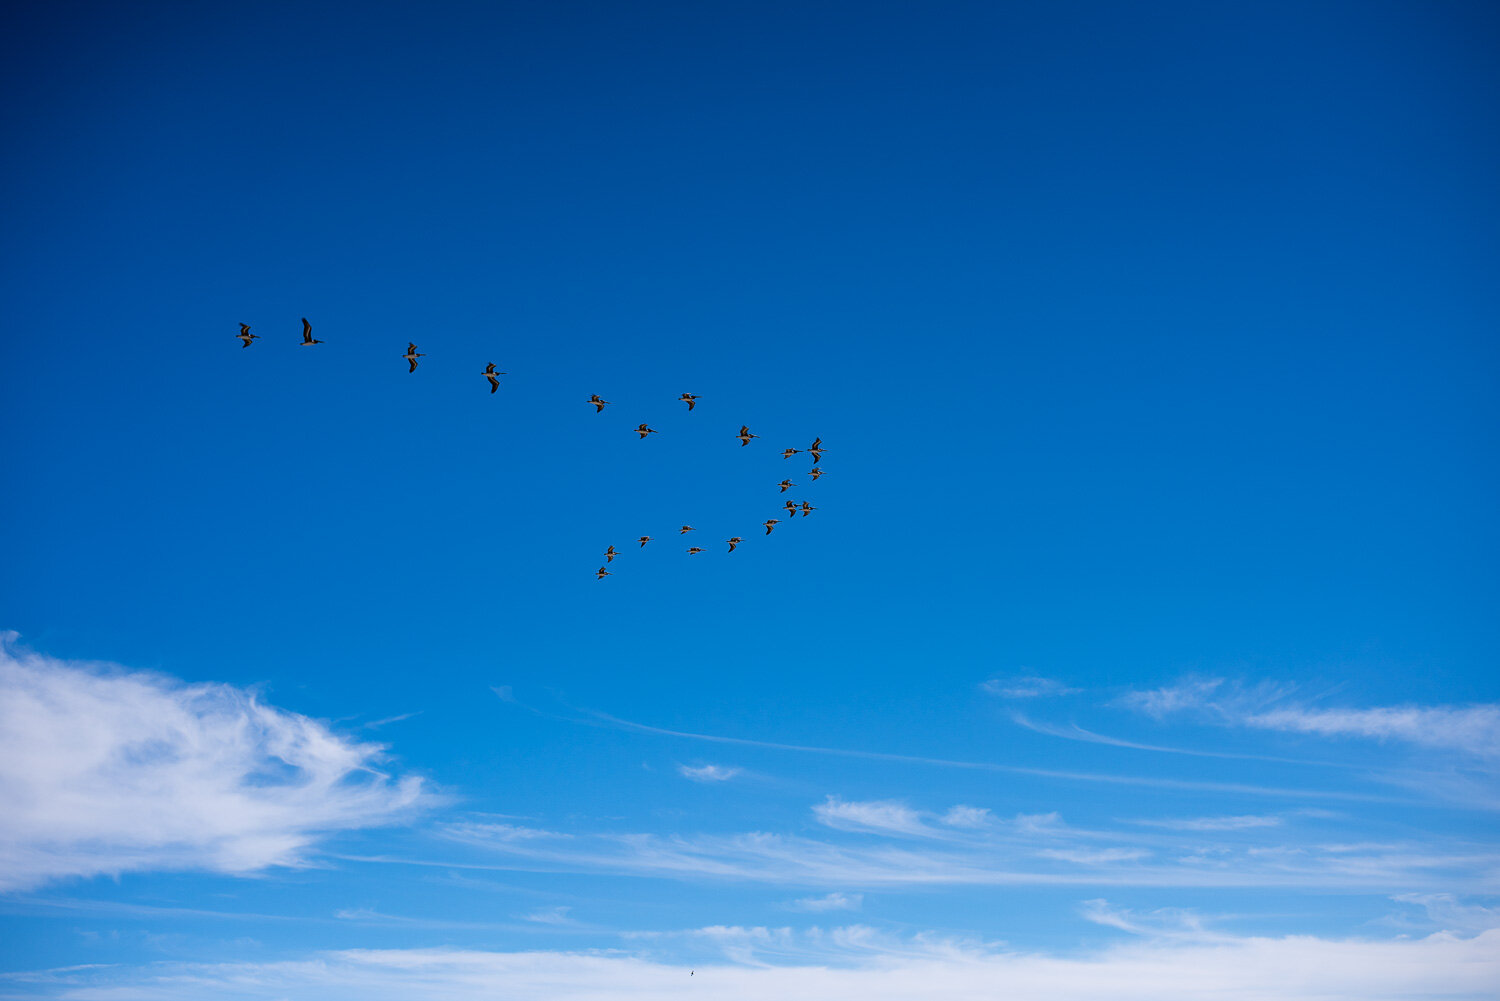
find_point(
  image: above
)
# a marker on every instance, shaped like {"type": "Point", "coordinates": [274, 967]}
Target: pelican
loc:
{"type": "Point", "coordinates": [785, 485]}
{"type": "Point", "coordinates": [815, 472]}
{"type": "Point", "coordinates": [791, 509]}
{"type": "Point", "coordinates": [599, 404]}
{"type": "Point", "coordinates": [494, 377]}
{"type": "Point", "coordinates": [771, 523]}
{"type": "Point", "coordinates": [307, 337]}
{"type": "Point", "coordinates": [245, 334]}
{"type": "Point", "coordinates": [412, 354]}
{"type": "Point", "coordinates": [645, 539]}
{"type": "Point", "coordinates": [790, 452]}
{"type": "Point", "coordinates": [602, 573]}
{"type": "Point", "coordinates": [734, 542]}
{"type": "Point", "coordinates": [694, 551]}
{"type": "Point", "coordinates": [745, 435]}
{"type": "Point", "coordinates": [686, 529]}
{"type": "Point", "coordinates": [816, 450]}
{"type": "Point", "coordinates": [643, 430]}
{"type": "Point", "coordinates": [807, 509]}
{"type": "Point", "coordinates": [610, 554]}
{"type": "Point", "coordinates": [689, 399]}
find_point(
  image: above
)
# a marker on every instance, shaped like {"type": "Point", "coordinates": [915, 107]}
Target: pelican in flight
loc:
{"type": "Point", "coordinates": [771, 524]}
{"type": "Point", "coordinates": [686, 529]}
{"type": "Point", "coordinates": [745, 435]}
{"type": "Point", "coordinates": [790, 452]}
{"type": "Point", "coordinates": [599, 404]}
{"type": "Point", "coordinates": [689, 399]}
{"type": "Point", "coordinates": [245, 334]}
{"type": "Point", "coordinates": [494, 377]}
{"type": "Point", "coordinates": [791, 509]}
{"type": "Point", "coordinates": [412, 354]}
{"type": "Point", "coordinates": [815, 472]}
{"type": "Point", "coordinates": [307, 337]}
{"type": "Point", "coordinates": [694, 551]}
{"type": "Point", "coordinates": [643, 430]}
{"type": "Point", "coordinates": [785, 485]}
{"type": "Point", "coordinates": [610, 554]}
{"type": "Point", "coordinates": [816, 450]}
{"type": "Point", "coordinates": [807, 509]}
{"type": "Point", "coordinates": [602, 573]}
{"type": "Point", "coordinates": [734, 542]}
{"type": "Point", "coordinates": [645, 539]}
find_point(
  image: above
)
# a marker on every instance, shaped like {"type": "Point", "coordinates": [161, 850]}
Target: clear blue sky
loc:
{"type": "Point", "coordinates": [1153, 348]}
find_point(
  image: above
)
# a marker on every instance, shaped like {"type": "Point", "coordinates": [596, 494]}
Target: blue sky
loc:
{"type": "Point", "coordinates": [1144, 630]}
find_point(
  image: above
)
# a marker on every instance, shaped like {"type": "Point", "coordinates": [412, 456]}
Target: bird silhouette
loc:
{"type": "Point", "coordinates": [245, 334]}
{"type": "Point", "coordinates": [816, 450]}
{"type": "Point", "coordinates": [771, 524]}
{"type": "Point", "coordinates": [791, 509]}
{"type": "Point", "coordinates": [307, 337]}
{"type": "Point", "coordinates": [786, 485]}
{"type": "Point", "coordinates": [790, 452]}
{"type": "Point", "coordinates": [807, 509]}
{"type": "Point", "coordinates": [412, 354]}
{"type": "Point", "coordinates": [599, 404]}
{"type": "Point", "coordinates": [643, 430]}
{"type": "Point", "coordinates": [686, 529]}
{"type": "Point", "coordinates": [745, 435]}
{"type": "Point", "coordinates": [815, 472]}
{"type": "Point", "coordinates": [602, 573]}
{"type": "Point", "coordinates": [610, 554]}
{"type": "Point", "coordinates": [494, 377]}
{"type": "Point", "coordinates": [694, 551]}
{"type": "Point", "coordinates": [689, 399]}
{"type": "Point", "coordinates": [645, 539]}
{"type": "Point", "coordinates": [734, 542]}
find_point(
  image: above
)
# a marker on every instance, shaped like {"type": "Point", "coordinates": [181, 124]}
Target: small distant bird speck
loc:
{"type": "Point", "coordinates": [412, 354]}
{"type": "Point", "coordinates": [599, 404]}
{"type": "Point", "coordinates": [494, 377]}
{"type": "Point", "coordinates": [245, 334]}
{"type": "Point", "coordinates": [307, 337]}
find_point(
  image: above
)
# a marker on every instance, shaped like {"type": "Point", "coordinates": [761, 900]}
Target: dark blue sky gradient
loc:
{"type": "Point", "coordinates": [1146, 339]}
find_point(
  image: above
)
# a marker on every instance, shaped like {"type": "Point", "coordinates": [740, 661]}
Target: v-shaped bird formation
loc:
{"type": "Point", "coordinates": [791, 508]}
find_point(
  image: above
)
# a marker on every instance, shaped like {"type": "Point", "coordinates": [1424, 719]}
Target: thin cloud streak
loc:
{"type": "Point", "coordinates": [1130, 780]}
{"type": "Point", "coordinates": [738, 963]}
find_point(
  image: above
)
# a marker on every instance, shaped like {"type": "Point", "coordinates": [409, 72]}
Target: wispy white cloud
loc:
{"type": "Point", "coordinates": [104, 770]}
{"type": "Point", "coordinates": [1029, 687]}
{"type": "Point", "coordinates": [1472, 730]}
{"type": "Point", "coordinates": [1452, 912]}
{"type": "Point", "coordinates": [829, 902]}
{"type": "Point", "coordinates": [885, 816]}
{"type": "Point", "coordinates": [708, 773]}
{"type": "Point", "coordinates": [894, 845]}
{"type": "Point", "coordinates": [551, 916]}
{"type": "Point", "coordinates": [749, 964]}
{"type": "Point", "coordinates": [966, 816]}
{"type": "Point", "coordinates": [1238, 823]}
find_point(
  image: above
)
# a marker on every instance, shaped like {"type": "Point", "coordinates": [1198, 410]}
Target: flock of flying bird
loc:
{"type": "Point", "coordinates": [791, 507]}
